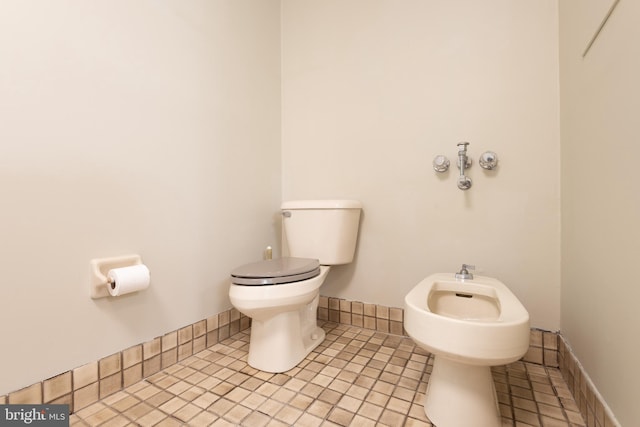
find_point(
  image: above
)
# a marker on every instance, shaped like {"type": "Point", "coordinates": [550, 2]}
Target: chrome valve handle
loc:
{"type": "Point", "coordinates": [441, 163]}
{"type": "Point", "coordinates": [488, 160]}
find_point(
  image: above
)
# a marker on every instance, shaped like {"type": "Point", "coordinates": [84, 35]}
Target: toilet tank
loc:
{"type": "Point", "coordinates": [326, 230]}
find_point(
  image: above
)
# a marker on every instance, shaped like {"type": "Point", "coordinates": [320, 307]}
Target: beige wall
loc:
{"type": "Point", "coordinates": [373, 90]}
{"type": "Point", "coordinates": [130, 127]}
{"type": "Point", "coordinates": [600, 200]}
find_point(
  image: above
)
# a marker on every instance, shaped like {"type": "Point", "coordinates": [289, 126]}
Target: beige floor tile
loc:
{"type": "Point", "coordinates": [101, 416]}
{"type": "Point", "coordinates": [169, 422]}
{"type": "Point", "coordinates": [151, 418]}
{"type": "Point", "coordinates": [257, 419]}
{"type": "Point", "coordinates": [172, 405]}
{"type": "Point", "coordinates": [237, 414]}
{"type": "Point", "coordinates": [398, 405]}
{"type": "Point", "coordinates": [300, 401]}
{"type": "Point", "coordinates": [288, 415]}
{"type": "Point", "coordinates": [276, 423]}
{"type": "Point", "coordinates": [370, 411]}
{"type": "Point", "coordinates": [237, 394]}
{"type": "Point", "coordinates": [341, 417]}
{"type": "Point", "coordinates": [90, 410]}
{"type": "Point", "coordinates": [117, 421]}
{"type": "Point", "coordinates": [203, 419]}
{"type": "Point", "coordinates": [319, 409]}
{"type": "Point", "coordinates": [391, 418]}
{"type": "Point", "coordinates": [146, 392]}
{"type": "Point", "coordinates": [205, 400]}
{"type": "Point", "coordinates": [138, 411]}
{"type": "Point", "coordinates": [187, 412]}
{"type": "Point", "coordinates": [159, 398]}
{"type": "Point", "coordinates": [221, 407]}
{"type": "Point", "coordinates": [283, 395]}
{"type": "Point", "coordinates": [309, 420]}
{"type": "Point", "coordinates": [412, 422]}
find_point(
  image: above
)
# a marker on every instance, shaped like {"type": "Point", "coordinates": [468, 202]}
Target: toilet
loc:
{"type": "Point", "coordinates": [468, 325]}
{"type": "Point", "coordinates": [281, 295]}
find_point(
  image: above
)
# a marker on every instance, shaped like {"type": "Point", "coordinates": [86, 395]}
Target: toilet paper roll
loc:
{"type": "Point", "coordinates": [128, 279]}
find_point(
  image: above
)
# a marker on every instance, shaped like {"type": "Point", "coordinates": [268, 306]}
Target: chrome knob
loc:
{"type": "Point", "coordinates": [488, 160]}
{"type": "Point", "coordinates": [441, 163]}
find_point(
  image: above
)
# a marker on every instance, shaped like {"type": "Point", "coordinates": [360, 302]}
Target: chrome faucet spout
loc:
{"type": "Point", "coordinates": [464, 182]}
{"type": "Point", "coordinates": [464, 274]}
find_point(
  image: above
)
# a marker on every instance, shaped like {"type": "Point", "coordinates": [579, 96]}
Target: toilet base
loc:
{"type": "Point", "coordinates": [279, 343]}
{"type": "Point", "coordinates": [461, 395]}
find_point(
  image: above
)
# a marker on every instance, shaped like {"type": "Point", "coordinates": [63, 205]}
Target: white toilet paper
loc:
{"type": "Point", "coordinates": [128, 279]}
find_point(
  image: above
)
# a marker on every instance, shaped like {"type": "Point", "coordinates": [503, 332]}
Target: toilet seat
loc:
{"type": "Point", "coordinates": [276, 271]}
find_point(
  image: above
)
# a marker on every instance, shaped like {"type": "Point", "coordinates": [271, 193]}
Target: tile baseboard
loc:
{"type": "Point", "coordinates": [593, 408]}
{"type": "Point", "coordinates": [87, 384]}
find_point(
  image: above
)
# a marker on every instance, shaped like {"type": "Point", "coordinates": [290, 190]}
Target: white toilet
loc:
{"type": "Point", "coordinates": [281, 295]}
{"type": "Point", "coordinates": [469, 325]}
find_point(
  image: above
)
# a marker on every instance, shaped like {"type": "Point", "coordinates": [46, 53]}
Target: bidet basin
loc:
{"type": "Point", "coordinates": [479, 320]}
{"type": "Point", "coordinates": [464, 301]}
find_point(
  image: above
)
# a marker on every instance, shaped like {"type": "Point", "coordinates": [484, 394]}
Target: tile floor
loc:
{"type": "Point", "coordinates": [356, 377]}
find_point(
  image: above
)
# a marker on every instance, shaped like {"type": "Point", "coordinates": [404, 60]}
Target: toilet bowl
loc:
{"type": "Point", "coordinates": [281, 295]}
{"type": "Point", "coordinates": [282, 308]}
{"type": "Point", "coordinates": [469, 326]}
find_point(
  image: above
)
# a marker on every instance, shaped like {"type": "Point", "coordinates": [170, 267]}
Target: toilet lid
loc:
{"type": "Point", "coordinates": [276, 271]}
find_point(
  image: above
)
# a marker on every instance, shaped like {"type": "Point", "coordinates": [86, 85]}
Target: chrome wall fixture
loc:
{"type": "Point", "coordinates": [441, 163]}
{"type": "Point", "coordinates": [488, 160]}
{"type": "Point", "coordinates": [464, 162]}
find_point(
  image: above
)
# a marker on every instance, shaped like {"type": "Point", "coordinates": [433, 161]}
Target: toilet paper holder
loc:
{"type": "Point", "coordinates": [100, 268]}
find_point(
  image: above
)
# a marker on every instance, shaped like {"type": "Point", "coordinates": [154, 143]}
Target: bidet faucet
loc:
{"type": "Point", "coordinates": [464, 182]}
{"type": "Point", "coordinates": [464, 274]}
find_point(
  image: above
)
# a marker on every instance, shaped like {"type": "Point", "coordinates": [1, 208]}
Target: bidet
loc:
{"type": "Point", "coordinates": [468, 325]}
